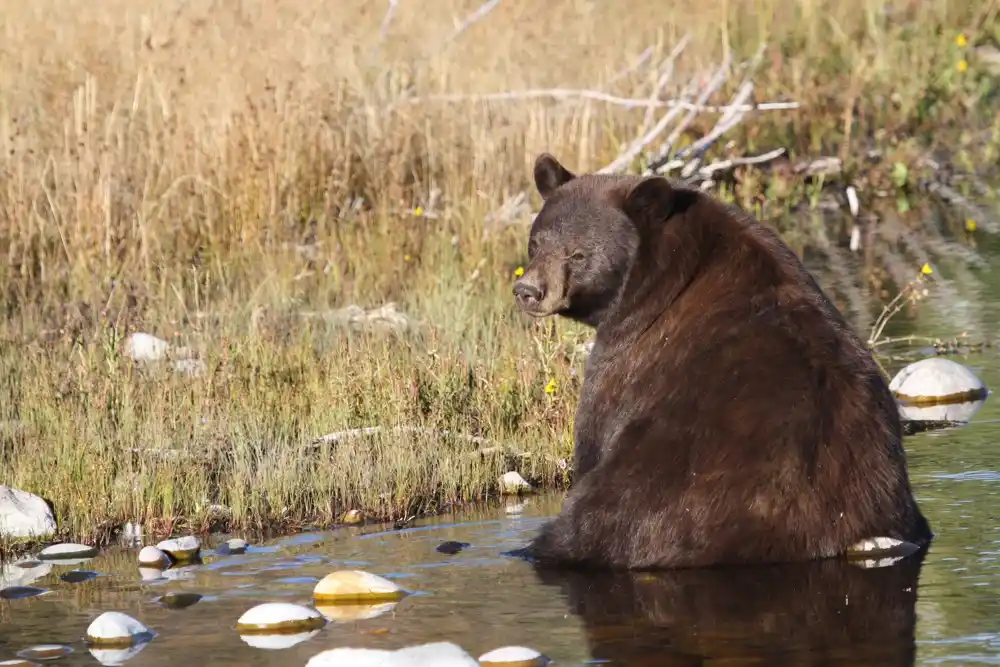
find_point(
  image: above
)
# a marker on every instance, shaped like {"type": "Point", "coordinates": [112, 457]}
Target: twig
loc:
{"type": "Point", "coordinates": [389, 14]}
{"type": "Point", "coordinates": [470, 20]}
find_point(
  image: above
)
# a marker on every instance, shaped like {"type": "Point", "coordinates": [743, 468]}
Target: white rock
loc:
{"type": "Point", "coordinates": [513, 656]}
{"type": "Point", "coordinates": [356, 586]}
{"type": "Point", "coordinates": [937, 380]}
{"type": "Point", "coordinates": [24, 514]}
{"type": "Point", "coordinates": [437, 654]}
{"type": "Point", "coordinates": [67, 551]}
{"type": "Point", "coordinates": [23, 572]}
{"type": "Point", "coordinates": [150, 556]}
{"type": "Point", "coordinates": [181, 548]}
{"type": "Point", "coordinates": [116, 628]}
{"type": "Point", "coordinates": [236, 546]}
{"type": "Point", "coordinates": [512, 483]}
{"type": "Point", "coordinates": [277, 641]}
{"type": "Point", "coordinates": [277, 616]}
{"type": "Point", "coordinates": [146, 347]}
{"type": "Point", "coordinates": [190, 367]}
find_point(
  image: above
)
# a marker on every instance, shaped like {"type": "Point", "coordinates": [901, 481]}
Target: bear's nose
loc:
{"type": "Point", "coordinates": [527, 292]}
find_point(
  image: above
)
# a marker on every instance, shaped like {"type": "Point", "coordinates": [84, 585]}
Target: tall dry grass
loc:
{"type": "Point", "coordinates": [209, 171]}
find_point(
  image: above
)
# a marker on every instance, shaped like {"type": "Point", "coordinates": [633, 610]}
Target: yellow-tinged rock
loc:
{"type": "Point", "coordinates": [279, 618]}
{"type": "Point", "coordinates": [356, 586]}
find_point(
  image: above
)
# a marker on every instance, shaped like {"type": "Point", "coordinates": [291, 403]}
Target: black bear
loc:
{"type": "Point", "coordinates": [728, 414]}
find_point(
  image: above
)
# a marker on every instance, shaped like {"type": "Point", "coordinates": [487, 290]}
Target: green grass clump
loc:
{"type": "Point", "coordinates": [223, 177]}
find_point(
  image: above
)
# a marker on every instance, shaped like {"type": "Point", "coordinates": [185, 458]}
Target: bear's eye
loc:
{"type": "Point", "coordinates": [577, 256]}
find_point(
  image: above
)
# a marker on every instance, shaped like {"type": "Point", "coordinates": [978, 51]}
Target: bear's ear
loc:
{"type": "Point", "coordinates": [549, 175]}
{"type": "Point", "coordinates": [654, 200]}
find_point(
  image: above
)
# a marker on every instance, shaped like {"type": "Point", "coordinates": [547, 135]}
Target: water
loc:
{"type": "Point", "coordinates": [948, 612]}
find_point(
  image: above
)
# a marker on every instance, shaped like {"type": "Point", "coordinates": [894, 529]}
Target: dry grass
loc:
{"type": "Point", "coordinates": [205, 171]}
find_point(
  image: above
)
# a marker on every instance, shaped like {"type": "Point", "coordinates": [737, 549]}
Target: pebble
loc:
{"type": "Point", "coordinates": [181, 548]}
{"type": "Point", "coordinates": [511, 483]}
{"type": "Point", "coordinates": [437, 654]}
{"type": "Point", "coordinates": [356, 586]}
{"type": "Point", "coordinates": [276, 617]}
{"type": "Point", "coordinates": [153, 557]}
{"type": "Point", "coordinates": [513, 656]}
{"type": "Point", "coordinates": [67, 551]}
{"type": "Point", "coordinates": [113, 628]}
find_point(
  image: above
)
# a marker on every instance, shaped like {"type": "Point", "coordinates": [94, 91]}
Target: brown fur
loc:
{"type": "Point", "coordinates": [729, 414]}
{"type": "Point", "coordinates": [819, 613]}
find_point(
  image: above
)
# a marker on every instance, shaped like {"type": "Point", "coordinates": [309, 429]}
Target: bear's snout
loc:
{"type": "Point", "coordinates": [528, 293]}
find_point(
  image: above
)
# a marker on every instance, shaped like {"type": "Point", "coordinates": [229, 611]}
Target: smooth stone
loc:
{"type": "Point", "coordinates": [23, 572]}
{"type": "Point", "coordinates": [451, 547]}
{"type": "Point", "coordinates": [146, 347]}
{"type": "Point", "coordinates": [116, 656]}
{"type": "Point", "coordinates": [78, 576]}
{"type": "Point", "coordinates": [181, 548]}
{"type": "Point", "coordinates": [936, 381]}
{"type": "Point", "coordinates": [44, 652]}
{"type": "Point", "coordinates": [24, 515]}
{"type": "Point", "coordinates": [279, 617]}
{"type": "Point", "coordinates": [234, 547]}
{"type": "Point", "coordinates": [67, 551]}
{"type": "Point", "coordinates": [513, 656]}
{"type": "Point", "coordinates": [511, 483]}
{"type": "Point", "coordinates": [356, 586]}
{"type": "Point", "coordinates": [21, 592]}
{"type": "Point", "coordinates": [113, 628]}
{"type": "Point", "coordinates": [344, 613]}
{"type": "Point", "coordinates": [352, 517]}
{"type": "Point", "coordinates": [151, 556]}
{"type": "Point", "coordinates": [436, 654]}
{"type": "Point", "coordinates": [277, 641]}
{"type": "Point", "coordinates": [175, 600]}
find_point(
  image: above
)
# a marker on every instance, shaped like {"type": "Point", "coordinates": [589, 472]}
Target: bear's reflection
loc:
{"type": "Point", "coordinates": [822, 613]}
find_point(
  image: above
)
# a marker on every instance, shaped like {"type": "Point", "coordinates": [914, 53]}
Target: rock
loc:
{"type": "Point", "coordinates": [356, 586]}
{"type": "Point", "coordinates": [386, 318]}
{"type": "Point", "coordinates": [179, 600]}
{"type": "Point", "coordinates": [150, 556]}
{"type": "Point", "coordinates": [44, 652]}
{"type": "Point", "coordinates": [23, 572]}
{"type": "Point", "coordinates": [19, 592]}
{"type": "Point", "coordinates": [451, 547]}
{"type": "Point", "coordinates": [343, 613]}
{"type": "Point", "coordinates": [24, 515]}
{"type": "Point", "coordinates": [113, 628]}
{"type": "Point", "coordinates": [437, 654]}
{"type": "Point", "coordinates": [146, 347]}
{"type": "Point", "coordinates": [513, 656]}
{"type": "Point", "coordinates": [67, 551]}
{"type": "Point", "coordinates": [279, 617]}
{"type": "Point", "coordinates": [352, 517]}
{"type": "Point", "coordinates": [131, 535]}
{"type": "Point", "coordinates": [181, 549]}
{"type": "Point", "coordinates": [511, 483]}
{"type": "Point", "coordinates": [236, 546]}
{"type": "Point", "coordinates": [189, 367]}
{"type": "Point", "coordinates": [938, 389]}
{"type": "Point", "coordinates": [78, 576]}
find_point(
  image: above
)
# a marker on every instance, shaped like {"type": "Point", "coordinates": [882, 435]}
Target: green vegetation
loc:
{"type": "Point", "coordinates": [213, 175]}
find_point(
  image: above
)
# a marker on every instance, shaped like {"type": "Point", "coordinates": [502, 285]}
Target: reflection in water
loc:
{"type": "Point", "coordinates": [822, 613]}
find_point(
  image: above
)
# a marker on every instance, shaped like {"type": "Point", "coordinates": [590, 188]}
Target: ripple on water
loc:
{"type": "Point", "coordinates": [44, 652]}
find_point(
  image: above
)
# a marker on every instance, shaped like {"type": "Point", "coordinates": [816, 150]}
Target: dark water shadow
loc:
{"type": "Point", "coordinates": [823, 613]}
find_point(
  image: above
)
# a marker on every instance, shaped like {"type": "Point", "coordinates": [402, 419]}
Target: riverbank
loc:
{"type": "Point", "coordinates": [257, 185]}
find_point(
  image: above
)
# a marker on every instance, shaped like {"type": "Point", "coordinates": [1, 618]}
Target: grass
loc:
{"type": "Point", "coordinates": [210, 174]}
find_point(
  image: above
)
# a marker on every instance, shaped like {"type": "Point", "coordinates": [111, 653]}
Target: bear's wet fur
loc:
{"type": "Point", "coordinates": [729, 414]}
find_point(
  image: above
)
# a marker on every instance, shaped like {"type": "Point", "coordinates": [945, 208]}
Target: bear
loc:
{"type": "Point", "coordinates": [728, 413]}
{"type": "Point", "coordinates": [822, 612]}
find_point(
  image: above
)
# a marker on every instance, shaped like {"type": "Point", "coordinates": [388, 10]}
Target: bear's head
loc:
{"type": "Point", "coordinates": [584, 240]}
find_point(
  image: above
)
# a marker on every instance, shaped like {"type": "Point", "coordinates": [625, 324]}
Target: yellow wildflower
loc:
{"type": "Point", "coordinates": [518, 272]}
{"type": "Point", "coordinates": [418, 211]}
{"type": "Point", "coordinates": [961, 41]}
{"type": "Point", "coordinates": [926, 269]}
{"type": "Point", "coordinates": [551, 387]}
{"type": "Point", "coordinates": [970, 225]}
{"type": "Point", "coordinates": [962, 65]}
{"type": "Point", "coordinates": [407, 258]}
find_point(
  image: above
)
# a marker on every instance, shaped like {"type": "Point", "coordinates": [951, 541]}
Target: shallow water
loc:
{"type": "Point", "coordinates": [945, 611]}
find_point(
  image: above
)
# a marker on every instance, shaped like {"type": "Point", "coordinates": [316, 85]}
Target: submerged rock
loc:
{"type": "Point", "coordinates": [20, 592]}
{"type": "Point", "coordinates": [511, 483]}
{"type": "Point", "coordinates": [356, 586]}
{"type": "Point", "coordinates": [181, 549]}
{"type": "Point", "coordinates": [451, 547]}
{"type": "Point", "coordinates": [938, 390]}
{"type": "Point", "coordinates": [344, 613]}
{"type": "Point", "coordinates": [24, 515]}
{"type": "Point", "coordinates": [437, 654]}
{"type": "Point", "coordinates": [44, 652]}
{"type": "Point", "coordinates": [278, 617]}
{"type": "Point", "coordinates": [78, 576]}
{"type": "Point", "coordinates": [179, 600]}
{"type": "Point", "coordinates": [67, 551]}
{"type": "Point", "coordinates": [513, 656]}
{"type": "Point", "coordinates": [113, 628]}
